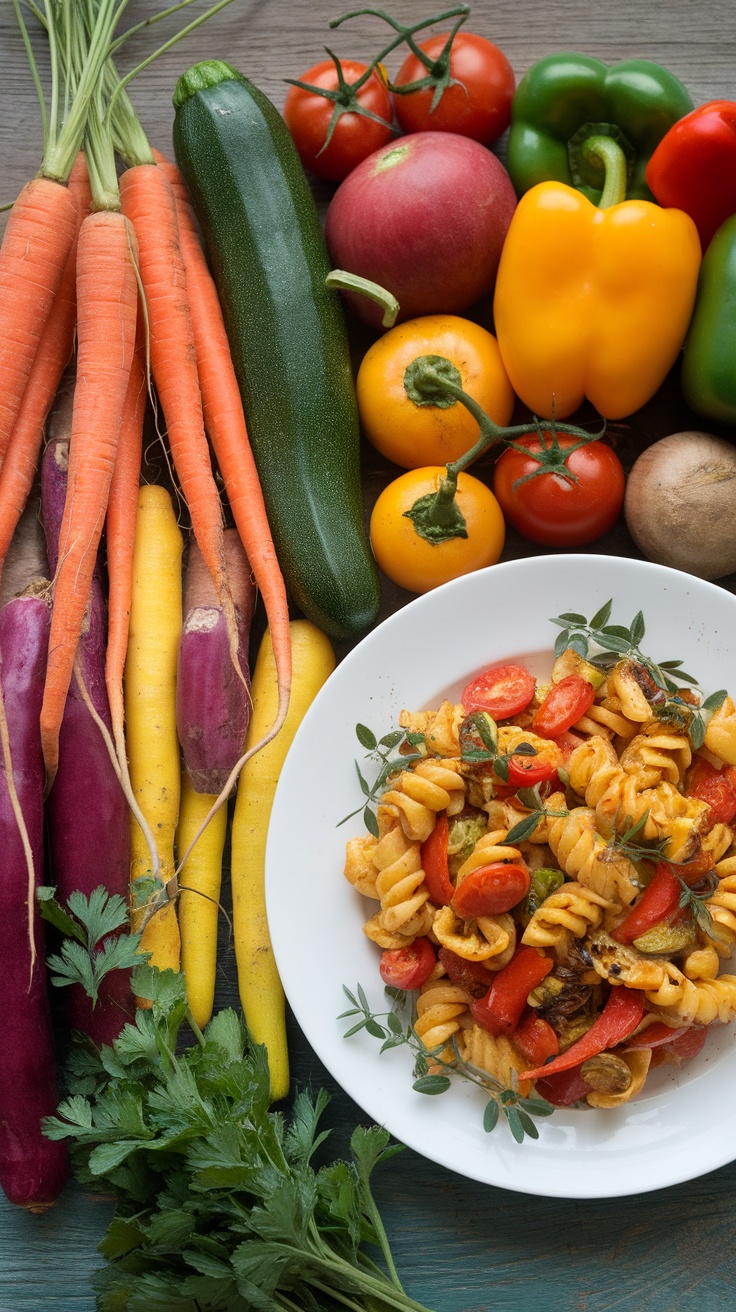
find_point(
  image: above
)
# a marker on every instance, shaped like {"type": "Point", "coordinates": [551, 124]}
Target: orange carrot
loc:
{"type": "Point", "coordinates": [148, 201]}
{"type": "Point", "coordinates": [107, 304]}
{"type": "Point", "coordinates": [225, 423]}
{"type": "Point", "coordinates": [34, 253]}
{"type": "Point", "coordinates": [121, 519]}
{"type": "Point", "coordinates": [54, 352]}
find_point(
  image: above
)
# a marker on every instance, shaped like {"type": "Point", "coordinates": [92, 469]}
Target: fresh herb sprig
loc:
{"type": "Point", "coordinates": [617, 641]}
{"type": "Point", "coordinates": [533, 800]}
{"type": "Point", "coordinates": [92, 946]}
{"type": "Point", "coordinates": [389, 759]}
{"type": "Point", "coordinates": [218, 1202]}
{"type": "Point", "coordinates": [645, 854]}
{"type": "Point", "coordinates": [394, 1030]}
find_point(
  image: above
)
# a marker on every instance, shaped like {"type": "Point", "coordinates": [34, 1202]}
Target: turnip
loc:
{"type": "Point", "coordinates": [88, 819]}
{"type": "Point", "coordinates": [680, 504]}
{"type": "Point", "coordinates": [425, 217]}
{"type": "Point", "coordinates": [33, 1170]}
{"type": "Point", "coordinates": [212, 703]}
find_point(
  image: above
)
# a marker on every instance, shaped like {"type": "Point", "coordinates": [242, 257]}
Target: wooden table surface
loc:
{"type": "Point", "coordinates": [460, 1246]}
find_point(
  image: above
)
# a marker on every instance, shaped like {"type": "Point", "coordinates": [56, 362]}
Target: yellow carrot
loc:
{"type": "Point", "coordinates": [199, 882]}
{"type": "Point", "coordinates": [261, 994]}
{"type": "Point", "coordinates": [150, 705]}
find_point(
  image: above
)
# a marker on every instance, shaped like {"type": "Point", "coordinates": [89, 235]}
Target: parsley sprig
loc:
{"type": "Point", "coordinates": [389, 759]}
{"type": "Point", "coordinates": [92, 946]}
{"type": "Point", "coordinates": [617, 641]}
{"type": "Point", "coordinates": [394, 1030]}
{"type": "Point", "coordinates": [219, 1204]}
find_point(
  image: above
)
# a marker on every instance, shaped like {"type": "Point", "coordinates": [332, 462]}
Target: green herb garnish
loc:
{"type": "Point", "coordinates": [385, 751]}
{"type": "Point", "coordinates": [394, 1030]}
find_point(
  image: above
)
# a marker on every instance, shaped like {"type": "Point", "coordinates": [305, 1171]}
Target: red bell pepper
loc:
{"type": "Point", "coordinates": [435, 863]}
{"type": "Point", "coordinates": [658, 902]}
{"type": "Point", "coordinates": [565, 1088]}
{"type": "Point", "coordinates": [716, 787]}
{"type": "Point", "coordinates": [472, 976]}
{"type": "Point", "coordinates": [535, 1039]}
{"type": "Point", "coordinates": [619, 1018]}
{"type": "Point", "coordinates": [682, 1044]}
{"type": "Point", "coordinates": [500, 1010]}
{"type": "Point", "coordinates": [694, 167]}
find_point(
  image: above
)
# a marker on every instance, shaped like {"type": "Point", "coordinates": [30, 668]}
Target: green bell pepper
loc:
{"type": "Point", "coordinates": [565, 98]}
{"type": "Point", "coordinates": [709, 365]}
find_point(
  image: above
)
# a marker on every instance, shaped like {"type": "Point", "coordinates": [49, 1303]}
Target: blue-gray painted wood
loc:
{"type": "Point", "coordinates": [460, 1246]}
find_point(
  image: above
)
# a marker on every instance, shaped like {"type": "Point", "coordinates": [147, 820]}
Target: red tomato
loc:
{"type": "Point", "coordinates": [535, 1039]}
{"type": "Point", "coordinates": [550, 508]}
{"type": "Point", "coordinates": [355, 136]}
{"type": "Point", "coordinates": [717, 788]}
{"type": "Point", "coordinates": [565, 702]}
{"type": "Point", "coordinates": [567, 742]}
{"type": "Point", "coordinates": [526, 771]}
{"type": "Point", "coordinates": [472, 976]}
{"type": "Point", "coordinates": [410, 967]}
{"type": "Point", "coordinates": [502, 692]}
{"type": "Point", "coordinates": [479, 108]}
{"type": "Point", "coordinates": [435, 864]}
{"type": "Point", "coordinates": [491, 890]}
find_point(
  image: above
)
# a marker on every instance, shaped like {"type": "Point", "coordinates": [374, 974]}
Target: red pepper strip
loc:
{"type": "Point", "coordinates": [564, 1089]}
{"type": "Point", "coordinates": [621, 1014]}
{"type": "Point", "coordinates": [500, 1010]}
{"type": "Point", "coordinates": [694, 167]}
{"type": "Point", "coordinates": [435, 864]}
{"type": "Point", "coordinates": [654, 1036]}
{"type": "Point", "coordinates": [717, 788]}
{"type": "Point", "coordinates": [658, 902]}
{"type": "Point", "coordinates": [535, 1039]}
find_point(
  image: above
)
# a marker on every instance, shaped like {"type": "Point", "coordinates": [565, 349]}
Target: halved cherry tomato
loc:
{"type": "Point", "coordinates": [717, 788]}
{"type": "Point", "coordinates": [409, 967]}
{"type": "Point", "coordinates": [435, 864]}
{"type": "Point", "coordinates": [472, 976]}
{"type": "Point", "coordinates": [526, 771]}
{"type": "Point", "coordinates": [535, 1039]}
{"type": "Point", "coordinates": [490, 890]}
{"type": "Point", "coordinates": [565, 702]}
{"type": "Point", "coordinates": [658, 902]}
{"type": "Point", "coordinates": [499, 1011]}
{"type": "Point", "coordinates": [502, 692]}
{"type": "Point", "coordinates": [563, 1089]}
{"type": "Point", "coordinates": [567, 742]}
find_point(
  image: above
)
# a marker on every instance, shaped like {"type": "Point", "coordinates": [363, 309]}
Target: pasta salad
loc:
{"type": "Point", "coordinates": [554, 867]}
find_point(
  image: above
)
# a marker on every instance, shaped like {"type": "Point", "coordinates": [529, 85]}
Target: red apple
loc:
{"type": "Point", "coordinates": [425, 217]}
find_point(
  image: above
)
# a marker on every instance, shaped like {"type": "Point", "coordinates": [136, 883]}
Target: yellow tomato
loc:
{"type": "Point", "coordinates": [413, 434]}
{"type": "Point", "coordinates": [417, 564]}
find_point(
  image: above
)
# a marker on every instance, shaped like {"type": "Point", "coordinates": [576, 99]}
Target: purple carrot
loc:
{"type": "Point", "coordinates": [89, 825]}
{"type": "Point", "coordinates": [33, 1170]}
{"type": "Point", "coordinates": [212, 703]}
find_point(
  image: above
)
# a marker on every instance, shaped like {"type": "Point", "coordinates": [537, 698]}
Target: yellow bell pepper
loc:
{"type": "Point", "coordinates": [593, 302]}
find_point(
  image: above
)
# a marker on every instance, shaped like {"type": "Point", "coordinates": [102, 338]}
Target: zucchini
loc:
{"type": "Point", "coordinates": [287, 339]}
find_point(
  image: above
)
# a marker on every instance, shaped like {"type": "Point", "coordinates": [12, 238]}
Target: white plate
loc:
{"type": "Point", "coordinates": [682, 1125]}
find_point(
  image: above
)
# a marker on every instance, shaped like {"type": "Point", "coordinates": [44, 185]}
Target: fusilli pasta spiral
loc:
{"type": "Point", "coordinates": [571, 912]}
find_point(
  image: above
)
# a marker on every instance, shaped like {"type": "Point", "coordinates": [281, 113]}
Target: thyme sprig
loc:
{"type": "Point", "coordinates": [617, 641]}
{"type": "Point", "coordinates": [644, 853]}
{"type": "Point", "coordinates": [386, 752]}
{"type": "Point", "coordinates": [394, 1030]}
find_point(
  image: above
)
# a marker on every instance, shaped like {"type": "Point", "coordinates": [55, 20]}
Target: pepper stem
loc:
{"type": "Point", "coordinates": [613, 160]}
{"type": "Point", "coordinates": [352, 282]}
{"type": "Point", "coordinates": [427, 376]}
